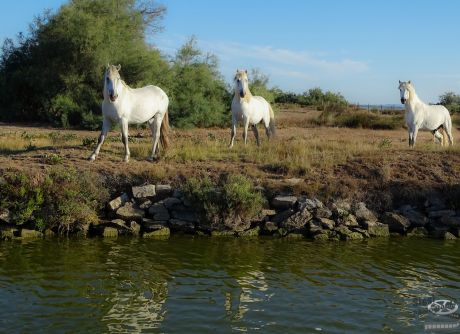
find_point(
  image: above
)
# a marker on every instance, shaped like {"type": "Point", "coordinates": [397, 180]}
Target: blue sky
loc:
{"type": "Point", "coordinates": [357, 47]}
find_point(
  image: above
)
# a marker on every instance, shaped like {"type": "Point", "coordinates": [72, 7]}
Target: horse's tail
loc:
{"type": "Point", "coordinates": [164, 132]}
{"type": "Point", "coordinates": [272, 121]}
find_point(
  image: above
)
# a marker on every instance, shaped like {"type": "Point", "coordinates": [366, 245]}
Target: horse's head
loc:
{"type": "Point", "coordinates": [241, 83]}
{"type": "Point", "coordinates": [112, 80]}
{"type": "Point", "coordinates": [405, 90]}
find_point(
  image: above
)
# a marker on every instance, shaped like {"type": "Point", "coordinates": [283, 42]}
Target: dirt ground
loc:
{"type": "Point", "coordinates": [373, 165]}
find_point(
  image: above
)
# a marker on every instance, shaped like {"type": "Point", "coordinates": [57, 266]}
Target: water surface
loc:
{"type": "Point", "coordinates": [204, 285]}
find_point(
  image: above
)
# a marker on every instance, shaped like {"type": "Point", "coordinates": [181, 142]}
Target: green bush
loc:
{"type": "Point", "coordinates": [225, 204]}
{"type": "Point", "coordinates": [63, 200]}
{"type": "Point", "coordinates": [359, 119]}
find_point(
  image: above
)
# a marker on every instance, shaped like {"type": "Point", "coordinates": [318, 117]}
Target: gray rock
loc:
{"type": "Point", "coordinates": [153, 225]}
{"type": "Point", "coordinates": [8, 233]}
{"type": "Point", "coordinates": [268, 212]}
{"type": "Point", "coordinates": [171, 202]}
{"type": "Point", "coordinates": [449, 236]}
{"type": "Point", "coordinates": [282, 216]}
{"type": "Point", "coordinates": [189, 216]}
{"type": "Point", "coordinates": [418, 232]}
{"type": "Point", "coordinates": [349, 220]}
{"type": "Point", "coordinates": [145, 204]}
{"type": "Point", "coordinates": [177, 193]}
{"type": "Point", "coordinates": [109, 232]}
{"type": "Point", "coordinates": [297, 221]}
{"type": "Point", "coordinates": [270, 226]}
{"type": "Point", "coordinates": [5, 215]}
{"type": "Point", "coordinates": [253, 232]}
{"type": "Point", "coordinates": [159, 233]}
{"type": "Point", "coordinates": [284, 202]}
{"type": "Point", "coordinates": [341, 208]}
{"type": "Point", "coordinates": [321, 237]}
{"type": "Point", "coordinates": [362, 231]}
{"type": "Point", "coordinates": [438, 231]}
{"type": "Point", "coordinates": [313, 227]}
{"type": "Point", "coordinates": [434, 203]}
{"type": "Point", "coordinates": [163, 190]}
{"type": "Point", "coordinates": [161, 216]}
{"type": "Point", "coordinates": [116, 203]}
{"type": "Point", "coordinates": [378, 230]}
{"type": "Point", "coordinates": [309, 204]}
{"type": "Point", "coordinates": [129, 212]}
{"type": "Point", "coordinates": [396, 223]}
{"type": "Point", "coordinates": [327, 223]}
{"type": "Point", "coordinates": [346, 234]}
{"type": "Point", "coordinates": [415, 218]}
{"type": "Point", "coordinates": [363, 214]}
{"type": "Point", "coordinates": [224, 234]}
{"type": "Point", "coordinates": [441, 213]}
{"type": "Point", "coordinates": [182, 225]}
{"type": "Point", "coordinates": [158, 208]}
{"type": "Point", "coordinates": [30, 234]}
{"type": "Point", "coordinates": [144, 191]}
{"type": "Point", "coordinates": [134, 227]}
{"type": "Point", "coordinates": [322, 212]}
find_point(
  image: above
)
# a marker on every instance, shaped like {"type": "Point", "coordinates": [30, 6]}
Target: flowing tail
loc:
{"type": "Point", "coordinates": [272, 121]}
{"type": "Point", "coordinates": [164, 132]}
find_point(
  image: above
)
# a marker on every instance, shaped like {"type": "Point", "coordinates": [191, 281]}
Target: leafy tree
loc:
{"type": "Point", "coordinates": [258, 85]}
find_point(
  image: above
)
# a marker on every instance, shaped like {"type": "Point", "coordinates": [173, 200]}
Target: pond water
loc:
{"type": "Point", "coordinates": [205, 285]}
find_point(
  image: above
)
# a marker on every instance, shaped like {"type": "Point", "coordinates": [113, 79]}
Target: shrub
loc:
{"type": "Point", "coordinates": [226, 204]}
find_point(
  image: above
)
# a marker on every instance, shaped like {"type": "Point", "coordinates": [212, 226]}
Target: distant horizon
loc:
{"type": "Point", "coordinates": [335, 45]}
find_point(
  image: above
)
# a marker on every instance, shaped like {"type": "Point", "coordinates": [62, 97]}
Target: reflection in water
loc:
{"type": "Point", "coordinates": [203, 285]}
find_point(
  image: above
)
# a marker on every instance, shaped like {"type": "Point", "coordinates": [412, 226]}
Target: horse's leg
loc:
{"type": "Point", "coordinates": [256, 133]}
{"type": "Point", "coordinates": [155, 126]}
{"type": "Point", "coordinates": [232, 139]}
{"type": "Point", "coordinates": [105, 129]}
{"type": "Point", "coordinates": [414, 136]}
{"type": "Point", "coordinates": [124, 138]}
{"type": "Point", "coordinates": [245, 133]}
{"type": "Point", "coordinates": [448, 130]}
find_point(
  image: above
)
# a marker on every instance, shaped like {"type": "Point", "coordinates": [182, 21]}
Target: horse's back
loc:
{"type": "Point", "coordinates": [146, 102]}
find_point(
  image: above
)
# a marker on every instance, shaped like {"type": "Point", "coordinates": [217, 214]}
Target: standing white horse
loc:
{"type": "Point", "coordinates": [420, 115]}
{"type": "Point", "coordinates": [126, 105]}
{"type": "Point", "coordinates": [250, 109]}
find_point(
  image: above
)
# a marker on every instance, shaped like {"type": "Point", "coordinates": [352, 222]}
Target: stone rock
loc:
{"type": "Point", "coordinates": [321, 236]}
{"type": "Point", "coordinates": [145, 204]}
{"type": "Point", "coordinates": [363, 214]}
{"type": "Point", "coordinates": [268, 212]}
{"type": "Point", "coordinates": [378, 230]}
{"type": "Point", "coordinates": [346, 234]}
{"type": "Point", "coordinates": [163, 190]}
{"type": "Point", "coordinates": [418, 232]}
{"type": "Point", "coordinates": [362, 231]}
{"type": "Point", "coordinates": [171, 202]}
{"type": "Point", "coordinates": [434, 203]}
{"type": "Point", "coordinates": [327, 223]}
{"type": "Point", "coordinates": [415, 218]}
{"type": "Point", "coordinates": [177, 194]}
{"type": "Point", "coordinates": [341, 208]}
{"type": "Point", "coordinates": [49, 233]}
{"type": "Point", "coordinates": [297, 221]}
{"type": "Point", "coordinates": [134, 228]}
{"type": "Point", "coordinates": [118, 202]}
{"type": "Point", "coordinates": [182, 225]}
{"type": "Point", "coordinates": [282, 216]}
{"type": "Point", "coordinates": [5, 215]}
{"type": "Point", "coordinates": [119, 223]}
{"type": "Point", "coordinates": [313, 227]}
{"type": "Point", "coordinates": [186, 215]}
{"type": "Point", "coordinates": [30, 234]}
{"type": "Point", "coordinates": [449, 236]}
{"type": "Point", "coordinates": [438, 231]}
{"type": "Point", "coordinates": [451, 221]}
{"type": "Point", "coordinates": [163, 232]}
{"type": "Point", "coordinates": [153, 225]}
{"type": "Point", "coordinates": [253, 232]}
{"type": "Point", "coordinates": [110, 232]}
{"type": "Point", "coordinates": [349, 220]}
{"type": "Point", "coordinates": [270, 226]}
{"type": "Point", "coordinates": [222, 233]}
{"type": "Point", "coordinates": [322, 212]}
{"type": "Point", "coordinates": [309, 204]}
{"type": "Point", "coordinates": [284, 202]}
{"type": "Point", "coordinates": [129, 212]}
{"type": "Point", "coordinates": [294, 236]}
{"type": "Point", "coordinates": [157, 208]}
{"type": "Point", "coordinates": [8, 233]}
{"type": "Point", "coordinates": [161, 216]}
{"type": "Point", "coordinates": [441, 213]}
{"type": "Point", "coordinates": [293, 181]}
{"type": "Point", "coordinates": [395, 222]}
{"type": "Point", "coordinates": [145, 191]}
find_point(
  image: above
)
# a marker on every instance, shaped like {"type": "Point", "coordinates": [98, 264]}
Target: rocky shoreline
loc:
{"type": "Point", "coordinates": [157, 211]}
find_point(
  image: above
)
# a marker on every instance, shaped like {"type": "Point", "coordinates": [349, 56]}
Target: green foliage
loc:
{"type": "Point", "coordinates": [451, 101]}
{"type": "Point", "coordinates": [198, 94]}
{"type": "Point", "coordinates": [326, 101]}
{"type": "Point", "coordinates": [63, 200]}
{"type": "Point", "coordinates": [225, 204]}
{"type": "Point", "coordinates": [258, 85]}
{"type": "Point", "coordinates": [359, 119]}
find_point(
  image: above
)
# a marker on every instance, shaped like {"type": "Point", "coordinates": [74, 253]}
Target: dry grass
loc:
{"type": "Point", "coordinates": [326, 161]}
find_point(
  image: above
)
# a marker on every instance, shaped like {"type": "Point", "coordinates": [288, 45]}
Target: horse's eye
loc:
{"type": "Point", "coordinates": [238, 80]}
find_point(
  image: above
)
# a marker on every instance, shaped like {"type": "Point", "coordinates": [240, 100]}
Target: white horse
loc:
{"type": "Point", "coordinates": [126, 105]}
{"type": "Point", "coordinates": [250, 109]}
{"type": "Point", "coordinates": [420, 115]}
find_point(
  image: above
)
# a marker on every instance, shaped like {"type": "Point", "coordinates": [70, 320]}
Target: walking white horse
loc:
{"type": "Point", "coordinates": [420, 115]}
{"type": "Point", "coordinates": [126, 105]}
{"type": "Point", "coordinates": [250, 109]}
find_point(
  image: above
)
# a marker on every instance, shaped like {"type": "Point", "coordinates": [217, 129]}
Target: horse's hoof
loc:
{"type": "Point", "coordinates": [92, 158]}
{"type": "Point", "coordinates": [151, 159]}
{"type": "Point", "coordinates": [126, 159]}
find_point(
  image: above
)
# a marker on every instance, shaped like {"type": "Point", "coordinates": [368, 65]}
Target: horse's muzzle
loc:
{"type": "Point", "coordinates": [403, 100]}
{"type": "Point", "coordinates": [241, 93]}
{"type": "Point", "coordinates": [113, 97]}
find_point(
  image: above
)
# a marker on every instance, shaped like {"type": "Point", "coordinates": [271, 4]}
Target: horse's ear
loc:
{"type": "Point", "coordinates": [108, 65]}
{"type": "Point", "coordinates": [408, 82]}
{"type": "Point", "coordinates": [399, 81]}
{"type": "Point", "coordinates": [246, 71]}
{"type": "Point", "coordinates": [118, 67]}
